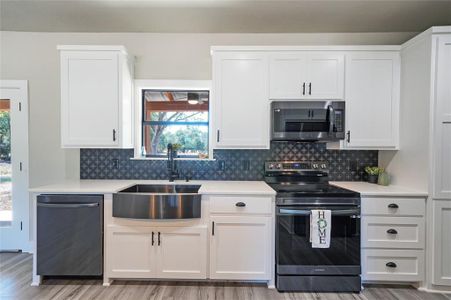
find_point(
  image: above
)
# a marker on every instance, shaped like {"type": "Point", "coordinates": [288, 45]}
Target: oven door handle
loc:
{"type": "Point", "coordinates": [355, 213]}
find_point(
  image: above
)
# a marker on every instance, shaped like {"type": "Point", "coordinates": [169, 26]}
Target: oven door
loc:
{"type": "Point", "coordinates": [294, 252]}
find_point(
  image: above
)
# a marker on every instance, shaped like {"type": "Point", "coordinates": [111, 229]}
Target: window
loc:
{"type": "Point", "coordinates": [176, 117]}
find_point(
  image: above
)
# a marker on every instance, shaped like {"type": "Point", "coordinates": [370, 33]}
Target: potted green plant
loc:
{"type": "Point", "coordinates": [373, 173]}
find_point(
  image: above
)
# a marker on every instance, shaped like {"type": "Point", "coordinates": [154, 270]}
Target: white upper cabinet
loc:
{"type": "Point", "coordinates": [287, 76]}
{"type": "Point", "coordinates": [96, 97]}
{"type": "Point", "coordinates": [306, 75]}
{"type": "Point", "coordinates": [241, 106]}
{"type": "Point", "coordinates": [372, 100]}
{"type": "Point", "coordinates": [442, 137]}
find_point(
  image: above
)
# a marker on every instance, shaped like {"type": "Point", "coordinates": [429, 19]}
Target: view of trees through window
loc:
{"type": "Point", "coordinates": [176, 117]}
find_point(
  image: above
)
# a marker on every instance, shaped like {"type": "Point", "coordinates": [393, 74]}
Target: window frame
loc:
{"type": "Point", "coordinates": [166, 85]}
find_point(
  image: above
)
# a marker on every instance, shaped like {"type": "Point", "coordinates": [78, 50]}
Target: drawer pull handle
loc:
{"type": "Point", "coordinates": [393, 205]}
{"type": "Point", "coordinates": [392, 231]}
{"type": "Point", "coordinates": [391, 265]}
{"type": "Point", "coordinates": [240, 204]}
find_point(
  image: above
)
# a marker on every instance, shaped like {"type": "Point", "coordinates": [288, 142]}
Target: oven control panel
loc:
{"type": "Point", "coordinates": [272, 166]}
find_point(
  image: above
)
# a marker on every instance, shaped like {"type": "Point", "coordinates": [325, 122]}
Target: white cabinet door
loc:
{"type": "Point", "coordinates": [130, 252]}
{"type": "Point", "coordinates": [182, 252]}
{"type": "Point", "coordinates": [442, 135]}
{"type": "Point", "coordinates": [89, 98]}
{"type": "Point", "coordinates": [325, 76]}
{"type": "Point", "coordinates": [442, 242]}
{"type": "Point", "coordinates": [241, 100]}
{"type": "Point", "coordinates": [305, 75]}
{"type": "Point", "coordinates": [287, 76]}
{"type": "Point", "coordinates": [240, 248]}
{"type": "Point", "coordinates": [372, 100]}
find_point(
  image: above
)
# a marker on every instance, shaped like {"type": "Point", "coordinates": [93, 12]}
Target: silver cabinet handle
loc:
{"type": "Point", "coordinates": [68, 205]}
{"type": "Point", "coordinates": [348, 139]}
{"type": "Point", "coordinates": [310, 88]}
{"type": "Point", "coordinates": [217, 136]}
{"type": "Point", "coordinates": [303, 88]}
{"type": "Point", "coordinates": [114, 135]}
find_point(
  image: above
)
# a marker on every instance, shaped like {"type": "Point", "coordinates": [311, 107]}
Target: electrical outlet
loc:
{"type": "Point", "coordinates": [115, 163]}
{"type": "Point", "coordinates": [221, 165]}
{"type": "Point", "coordinates": [353, 166]}
{"type": "Point", "coordinates": [246, 165]}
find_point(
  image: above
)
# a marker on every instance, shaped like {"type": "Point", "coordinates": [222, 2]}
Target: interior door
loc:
{"type": "Point", "coordinates": [14, 197]}
{"type": "Point", "coordinates": [182, 252]}
{"type": "Point", "coordinates": [287, 76]}
{"type": "Point", "coordinates": [372, 100]}
{"type": "Point", "coordinates": [240, 248]}
{"type": "Point", "coordinates": [90, 98]}
{"type": "Point", "coordinates": [442, 134]}
{"type": "Point", "coordinates": [241, 100]}
{"type": "Point", "coordinates": [325, 76]}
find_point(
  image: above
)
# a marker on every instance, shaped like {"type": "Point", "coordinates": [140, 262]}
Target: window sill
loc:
{"type": "Point", "coordinates": [164, 158]}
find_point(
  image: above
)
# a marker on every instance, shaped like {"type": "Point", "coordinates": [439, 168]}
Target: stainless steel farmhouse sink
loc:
{"type": "Point", "coordinates": [158, 201]}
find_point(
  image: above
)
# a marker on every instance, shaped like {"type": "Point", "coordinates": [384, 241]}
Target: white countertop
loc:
{"type": "Point", "coordinates": [113, 186]}
{"type": "Point", "coordinates": [371, 189]}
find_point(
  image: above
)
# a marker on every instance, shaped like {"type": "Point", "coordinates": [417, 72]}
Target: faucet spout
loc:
{"type": "Point", "coordinates": [172, 164]}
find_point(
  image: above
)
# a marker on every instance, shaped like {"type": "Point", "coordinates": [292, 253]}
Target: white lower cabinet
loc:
{"type": "Point", "coordinates": [240, 247]}
{"type": "Point", "coordinates": [441, 274]}
{"type": "Point", "coordinates": [392, 265]}
{"type": "Point", "coordinates": [393, 239]}
{"type": "Point", "coordinates": [157, 252]}
{"type": "Point", "coordinates": [182, 253]}
{"type": "Point", "coordinates": [130, 253]}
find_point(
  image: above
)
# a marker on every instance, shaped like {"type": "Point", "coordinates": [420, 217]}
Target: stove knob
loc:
{"type": "Point", "coordinates": [323, 166]}
{"type": "Point", "coordinates": [314, 166]}
{"type": "Point", "coordinates": [271, 166]}
{"type": "Point", "coordinates": [279, 166]}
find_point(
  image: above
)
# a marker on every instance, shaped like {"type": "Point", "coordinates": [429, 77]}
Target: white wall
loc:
{"type": "Point", "coordinates": [33, 56]}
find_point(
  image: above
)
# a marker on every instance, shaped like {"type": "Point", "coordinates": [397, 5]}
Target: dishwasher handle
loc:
{"type": "Point", "coordinates": [67, 205]}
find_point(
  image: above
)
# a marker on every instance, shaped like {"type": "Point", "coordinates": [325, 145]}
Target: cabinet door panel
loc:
{"type": "Point", "coordinates": [442, 137]}
{"type": "Point", "coordinates": [372, 100]}
{"type": "Point", "coordinates": [442, 242]}
{"type": "Point", "coordinates": [325, 76]}
{"type": "Point", "coordinates": [287, 76]}
{"type": "Point", "coordinates": [130, 253]}
{"type": "Point", "coordinates": [241, 100]}
{"type": "Point", "coordinates": [90, 98]}
{"type": "Point", "coordinates": [182, 253]}
{"type": "Point", "coordinates": [240, 248]}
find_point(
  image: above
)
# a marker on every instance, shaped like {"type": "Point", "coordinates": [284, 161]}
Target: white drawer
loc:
{"type": "Point", "coordinates": [392, 265]}
{"type": "Point", "coordinates": [393, 232]}
{"type": "Point", "coordinates": [240, 204]}
{"type": "Point", "coordinates": [393, 206]}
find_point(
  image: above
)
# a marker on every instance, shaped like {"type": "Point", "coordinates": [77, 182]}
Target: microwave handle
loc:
{"type": "Point", "coordinates": [331, 112]}
{"type": "Point", "coordinates": [297, 212]}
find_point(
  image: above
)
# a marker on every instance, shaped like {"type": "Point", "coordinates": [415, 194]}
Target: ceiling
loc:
{"type": "Point", "coordinates": [223, 16]}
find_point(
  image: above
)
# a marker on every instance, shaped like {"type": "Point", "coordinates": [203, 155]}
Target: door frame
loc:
{"type": "Point", "coordinates": [20, 165]}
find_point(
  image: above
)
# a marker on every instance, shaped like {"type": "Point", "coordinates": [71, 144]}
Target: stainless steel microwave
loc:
{"type": "Point", "coordinates": [307, 121]}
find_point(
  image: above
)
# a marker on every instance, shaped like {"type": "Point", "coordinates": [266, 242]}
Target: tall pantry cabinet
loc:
{"type": "Point", "coordinates": [425, 157]}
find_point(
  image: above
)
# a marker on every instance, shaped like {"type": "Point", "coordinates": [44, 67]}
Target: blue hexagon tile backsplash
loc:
{"type": "Point", "coordinates": [344, 165]}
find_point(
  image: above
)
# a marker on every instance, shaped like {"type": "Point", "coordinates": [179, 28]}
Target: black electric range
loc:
{"type": "Point", "coordinates": [302, 187]}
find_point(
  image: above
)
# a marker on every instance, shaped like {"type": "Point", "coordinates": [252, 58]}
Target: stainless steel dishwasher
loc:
{"type": "Point", "coordinates": [69, 235]}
